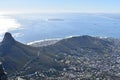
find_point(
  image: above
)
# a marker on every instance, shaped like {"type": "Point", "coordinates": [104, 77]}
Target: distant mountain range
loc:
{"type": "Point", "coordinates": [66, 56]}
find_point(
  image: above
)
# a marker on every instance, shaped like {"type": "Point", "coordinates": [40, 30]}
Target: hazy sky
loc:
{"type": "Point", "coordinates": [96, 6]}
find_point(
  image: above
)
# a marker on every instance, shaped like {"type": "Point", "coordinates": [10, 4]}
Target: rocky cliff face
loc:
{"type": "Point", "coordinates": [3, 76]}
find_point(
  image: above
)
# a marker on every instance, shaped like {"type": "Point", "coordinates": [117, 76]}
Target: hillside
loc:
{"type": "Point", "coordinates": [81, 57]}
{"type": "Point", "coordinates": [84, 57]}
{"type": "Point", "coordinates": [15, 55]}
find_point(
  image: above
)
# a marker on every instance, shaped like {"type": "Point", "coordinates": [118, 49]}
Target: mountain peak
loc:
{"type": "Point", "coordinates": [8, 39]}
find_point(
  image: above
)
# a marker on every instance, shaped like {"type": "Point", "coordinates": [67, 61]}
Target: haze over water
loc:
{"type": "Point", "coordinates": [32, 27]}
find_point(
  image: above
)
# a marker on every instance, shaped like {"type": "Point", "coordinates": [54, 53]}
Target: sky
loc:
{"type": "Point", "coordinates": [8, 23]}
{"type": "Point", "coordinates": [59, 6]}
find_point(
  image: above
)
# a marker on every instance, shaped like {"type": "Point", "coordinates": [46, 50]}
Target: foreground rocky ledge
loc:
{"type": "Point", "coordinates": [3, 76]}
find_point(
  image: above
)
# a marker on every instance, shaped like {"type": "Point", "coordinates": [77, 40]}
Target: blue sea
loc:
{"type": "Point", "coordinates": [49, 26]}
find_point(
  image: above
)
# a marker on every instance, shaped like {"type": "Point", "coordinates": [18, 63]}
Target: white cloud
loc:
{"type": "Point", "coordinates": [18, 35]}
{"type": "Point", "coordinates": [1, 38]}
{"type": "Point", "coordinates": [8, 24]}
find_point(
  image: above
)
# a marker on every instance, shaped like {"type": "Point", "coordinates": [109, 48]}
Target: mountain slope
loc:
{"type": "Point", "coordinates": [15, 55]}
{"type": "Point", "coordinates": [68, 58]}
{"type": "Point", "coordinates": [85, 57]}
{"type": "Point", "coordinates": [81, 45]}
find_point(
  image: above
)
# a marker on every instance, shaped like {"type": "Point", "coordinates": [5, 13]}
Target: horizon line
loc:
{"type": "Point", "coordinates": [54, 12]}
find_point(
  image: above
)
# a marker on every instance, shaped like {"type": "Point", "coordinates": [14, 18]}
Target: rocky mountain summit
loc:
{"type": "Point", "coordinates": [16, 56]}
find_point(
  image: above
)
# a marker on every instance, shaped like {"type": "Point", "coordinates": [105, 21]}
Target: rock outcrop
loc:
{"type": "Point", "coordinates": [3, 76]}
